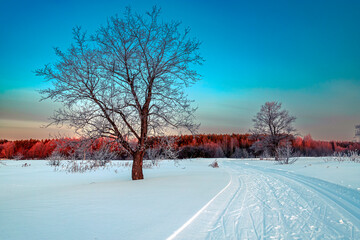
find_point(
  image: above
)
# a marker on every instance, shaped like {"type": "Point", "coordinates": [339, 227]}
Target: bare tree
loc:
{"type": "Point", "coordinates": [272, 126]}
{"type": "Point", "coordinates": [357, 133]}
{"type": "Point", "coordinates": [126, 82]}
{"type": "Point", "coordinates": [286, 153]}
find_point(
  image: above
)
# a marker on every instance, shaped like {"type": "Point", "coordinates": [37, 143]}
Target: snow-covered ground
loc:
{"type": "Point", "coordinates": [243, 199]}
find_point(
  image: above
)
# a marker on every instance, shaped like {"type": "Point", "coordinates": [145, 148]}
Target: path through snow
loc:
{"type": "Point", "coordinates": [265, 203]}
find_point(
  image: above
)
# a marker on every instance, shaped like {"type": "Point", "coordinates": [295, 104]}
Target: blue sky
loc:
{"type": "Point", "coordinates": [305, 54]}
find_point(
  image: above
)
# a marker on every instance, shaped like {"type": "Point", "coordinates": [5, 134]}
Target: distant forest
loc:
{"type": "Point", "coordinates": [185, 146]}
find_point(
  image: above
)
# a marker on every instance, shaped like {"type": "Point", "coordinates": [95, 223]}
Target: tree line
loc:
{"type": "Point", "coordinates": [185, 146]}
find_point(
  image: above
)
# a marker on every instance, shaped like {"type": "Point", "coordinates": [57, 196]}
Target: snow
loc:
{"type": "Point", "coordinates": [265, 202]}
{"type": "Point", "coordinates": [243, 199]}
{"type": "Point", "coordinates": [345, 173]}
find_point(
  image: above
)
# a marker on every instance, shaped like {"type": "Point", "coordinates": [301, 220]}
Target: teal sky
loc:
{"type": "Point", "coordinates": [305, 54]}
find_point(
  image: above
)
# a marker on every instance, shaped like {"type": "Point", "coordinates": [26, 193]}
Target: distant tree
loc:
{"type": "Point", "coordinates": [8, 150]}
{"type": "Point", "coordinates": [37, 151]}
{"type": "Point", "coordinates": [272, 125]}
{"type": "Point", "coordinates": [219, 153]}
{"type": "Point", "coordinates": [49, 148]}
{"type": "Point", "coordinates": [126, 81]}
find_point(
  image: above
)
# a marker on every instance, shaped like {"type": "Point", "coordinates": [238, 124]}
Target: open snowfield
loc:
{"type": "Point", "coordinates": [243, 199]}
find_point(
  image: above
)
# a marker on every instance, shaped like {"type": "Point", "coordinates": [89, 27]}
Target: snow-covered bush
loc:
{"type": "Point", "coordinates": [54, 162]}
{"type": "Point", "coordinates": [80, 166]}
{"type": "Point", "coordinates": [286, 154]}
{"type": "Point", "coordinates": [164, 149]}
{"type": "Point", "coordinates": [150, 164]}
{"type": "Point", "coordinates": [84, 149]}
{"type": "Point", "coordinates": [54, 159]}
{"type": "Point", "coordinates": [240, 153]}
{"type": "Point", "coordinates": [104, 153]}
{"type": "Point", "coordinates": [81, 154]}
{"type": "Point", "coordinates": [349, 156]}
{"type": "Point", "coordinates": [265, 155]}
{"type": "Point", "coordinates": [354, 156]}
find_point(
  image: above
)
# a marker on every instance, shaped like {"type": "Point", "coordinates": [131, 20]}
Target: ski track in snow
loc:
{"type": "Point", "coordinates": [264, 203]}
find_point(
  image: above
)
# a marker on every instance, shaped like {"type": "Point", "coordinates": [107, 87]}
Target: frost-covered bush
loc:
{"type": "Point", "coordinates": [346, 156]}
{"type": "Point", "coordinates": [240, 153]}
{"type": "Point", "coordinates": [80, 166]}
{"type": "Point", "coordinates": [63, 163]}
{"type": "Point", "coordinates": [150, 164]}
{"type": "Point", "coordinates": [265, 155]}
{"type": "Point", "coordinates": [54, 162]}
{"type": "Point", "coordinates": [286, 154]}
{"type": "Point", "coordinates": [166, 148]}
{"type": "Point", "coordinates": [55, 159]}
{"type": "Point", "coordinates": [81, 154]}
{"type": "Point", "coordinates": [84, 149]}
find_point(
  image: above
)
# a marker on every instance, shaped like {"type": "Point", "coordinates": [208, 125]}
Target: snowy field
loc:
{"type": "Point", "coordinates": [243, 199]}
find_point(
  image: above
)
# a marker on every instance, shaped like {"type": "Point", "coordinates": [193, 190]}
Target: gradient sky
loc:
{"type": "Point", "coordinates": [305, 54]}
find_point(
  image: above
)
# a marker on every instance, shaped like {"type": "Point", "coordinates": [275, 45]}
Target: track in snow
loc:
{"type": "Point", "coordinates": [262, 203]}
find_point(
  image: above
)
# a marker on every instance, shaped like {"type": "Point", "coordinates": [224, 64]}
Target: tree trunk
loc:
{"type": "Point", "coordinates": [137, 171]}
